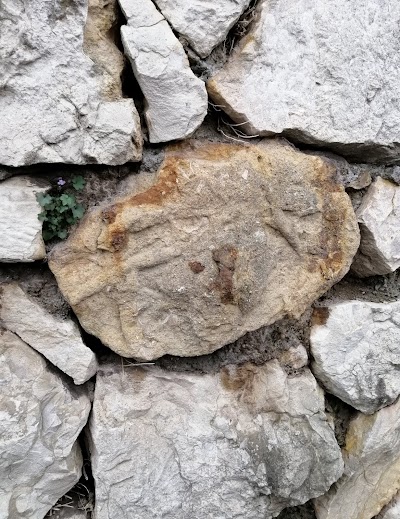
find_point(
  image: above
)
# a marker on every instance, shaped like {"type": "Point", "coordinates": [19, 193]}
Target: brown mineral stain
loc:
{"type": "Point", "coordinates": [165, 186]}
{"type": "Point", "coordinates": [196, 267]}
{"type": "Point", "coordinates": [235, 378]}
{"type": "Point", "coordinates": [225, 258]}
{"type": "Point", "coordinates": [320, 316]}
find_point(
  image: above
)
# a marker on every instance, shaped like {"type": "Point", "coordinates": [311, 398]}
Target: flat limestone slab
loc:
{"type": "Point", "coordinates": [20, 228]}
{"type": "Point", "coordinates": [42, 415]}
{"type": "Point", "coordinates": [176, 100]}
{"type": "Point", "coordinates": [322, 72]}
{"type": "Point", "coordinates": [58, 340]}
{"type": "Point", "coordinates": [224, 239]}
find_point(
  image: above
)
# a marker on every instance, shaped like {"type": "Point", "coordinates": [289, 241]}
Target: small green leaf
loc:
{"type": "Point", "coordinates": [42, 216]}
{"type": "Point", "coordinates": [44, 199]}
{"type": "Point", "coordinates": [68, 200]}
{"type": "Point", "coordinates": [48, 235]}
{"type": "Point", "coordinates": [78, 182]}
{"type": "Point", "coordinates": [78, 211]}
{"type": "Point", "coordinates": [62, 234]}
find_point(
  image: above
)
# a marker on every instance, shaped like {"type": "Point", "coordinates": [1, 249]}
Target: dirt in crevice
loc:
{"type": "Point", "coordinates": [342, 414]}
{"type": "Point", "coordinates": [81, 496]}
{"type": "Point", "coordinates": [257, 347]}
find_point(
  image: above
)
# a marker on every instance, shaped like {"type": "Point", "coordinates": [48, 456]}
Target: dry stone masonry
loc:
{"type": "Point", "coordinates": [213, 329]}
{"type": "Point", "coordinates": [175, 445]}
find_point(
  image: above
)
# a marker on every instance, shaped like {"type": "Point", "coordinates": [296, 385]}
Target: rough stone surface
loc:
{"type": "Point", "coordinates": [20, 229]}
{"type": "Point", "coordinates": [225, 239]}
{"type": "Point", "coordinates": [356, 350]}
{"type": "Point", "coordinates": [345, 93]}
{"type": "Point", "coordinates": [204, 24]}
{"type": "Point", "coordinates": [379, 217]}
{"type": "Point", "coordinates": [392, 510]}
{"type": "Point", "coordinates": [41, 417]}
{"type": "Point", "coordinates": [58, 340]}
{"type": "Point", "coordinates": [176, 99]}
{"type": "Point", "coordinates": [245, 442]}
{"type": "Point", "coordinates": [372, 468]}
{"type": "Point", "coordinates": [57, 104]}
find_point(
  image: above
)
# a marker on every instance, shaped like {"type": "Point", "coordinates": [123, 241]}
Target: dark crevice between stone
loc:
{"type": "Point", "coordinates": [130, 87]}
{"type": "Point", "coordinates": [342, 414]}
{"type": "Point", "coordinates": [257, 347]}
{"type": "Point", "coordinates": [82, 495]}
{"type": "Point", "coordinates": [305, 511]}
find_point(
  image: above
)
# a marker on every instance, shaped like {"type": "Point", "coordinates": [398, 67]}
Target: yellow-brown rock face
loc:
{"type": "Point", "coordinates": [224, 239]}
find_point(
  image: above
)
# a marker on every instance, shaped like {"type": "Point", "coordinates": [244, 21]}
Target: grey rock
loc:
{"type": "Point", "coordinates": [323, 73]}
{"type": "Point", "coordinates": [356, 350]}
{"type": "Point", "coordinates": [372, 467]}
{"type": "Point", "coordinates": [41, 417]}
{"type": "Point", "coordinates": [55, 102]}
{"type": "Point", "coordinates": [20, 229]}
{"type": "Point", "coordinates": [245, 442]}
{"type": "Point", "coordinates": [176, 99]}
{"type": "Point", "coordinates": [204, 24]}
{"type": "Point", "coordinates": [59, 340]}
{"type": "Point", "coordinates": [226, 238]}
{"type": "Point", "coordinates": [379, 218]}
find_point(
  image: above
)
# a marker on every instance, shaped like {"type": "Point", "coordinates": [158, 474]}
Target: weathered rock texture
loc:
{"type": "Point", "coordinates": [41, 417]}
{"type": "Point", "coordinates": [20, 229]}
{"type": "Point", "coordinates": [392, 510]}
{"type": "Point", "coordinates": [176, 99]}
{"type": "Point", "coordinates": [357, 352]}
{"type": "Point", "coordinates": [379, 217]}
{"type": "Point", "coordinates": [372, 468]}
{"type": "Point", "coordinates": [56, 104]}
{"type": "Point", "coordinates": [227, 238]}
{"type": "Point", "coordinates": [58, 340]}
{"type": "Point", "coordinates": [203, 23]}
{"type": "Point", "coordinates": [325, 73]}
{"type": "Point", "coordinates": [245, 443]}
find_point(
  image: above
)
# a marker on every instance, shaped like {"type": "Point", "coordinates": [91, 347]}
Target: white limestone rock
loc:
{"type": "Point", "coordinates": [41, 416]}
{"type": "Point", "coordinates": [176, 99]}
{"type": "Point", "coordinates": [245, 442]}
{"type": "Point", "coordinates": [56, 104]}
{"type": "Point", "coordinates": [58, 340]}
{"type": "Point", "coordinates": [324, 73]}
{"type": "Point", "coordinates": [379, 218]}
{"type": "Point", "coordinates": [357, 352]}
{"type": "Point", "coordinates": [204, 23]}
{"type": "Point", "coordinates": [20, 229]}
{"type": "Point", "coordinates": [371, 475]}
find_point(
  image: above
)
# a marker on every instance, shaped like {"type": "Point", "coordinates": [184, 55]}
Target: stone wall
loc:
{"type": "Point", "coordinates": [199, 254]}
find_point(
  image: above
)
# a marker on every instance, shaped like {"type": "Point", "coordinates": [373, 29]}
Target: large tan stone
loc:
{"type": "Point", "coordinates": [224, 239]}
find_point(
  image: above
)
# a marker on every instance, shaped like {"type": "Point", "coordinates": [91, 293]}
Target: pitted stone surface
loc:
{"type": "Point", "coordinates": [41, 418]}
{"type": "Point", "coordinates": [324, 73]}
{"type": "Point", "coordinates": [356, 351]}
{"type": "Point", "coordinates": [245, 442]}
{"type": "Point", "coordinates": [57, 105]}
{"type": "Point", "coordinates": [224, 239]}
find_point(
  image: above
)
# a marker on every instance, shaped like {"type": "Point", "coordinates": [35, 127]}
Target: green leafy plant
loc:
{"type": "Point", "coordinates": [60, 208]}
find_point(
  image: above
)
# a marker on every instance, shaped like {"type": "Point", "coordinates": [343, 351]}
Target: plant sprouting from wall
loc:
{"type": "Point", "coordinates": [60, 208]}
